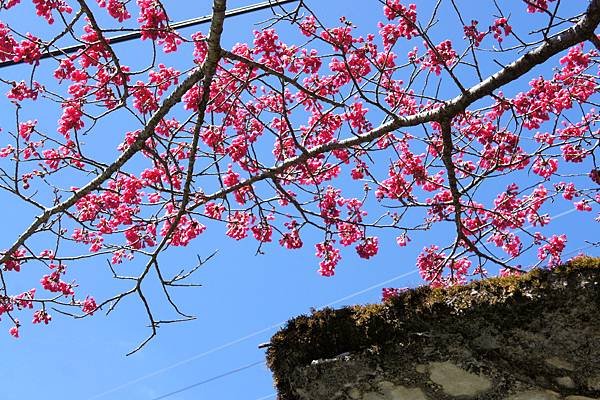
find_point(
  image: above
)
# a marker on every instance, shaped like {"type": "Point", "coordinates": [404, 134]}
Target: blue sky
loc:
{"type": "Point", "coordinates": [244, 297]}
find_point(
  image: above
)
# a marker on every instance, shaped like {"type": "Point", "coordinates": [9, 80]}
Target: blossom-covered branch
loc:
{"type": "Point", "coordinates": [337, 140]}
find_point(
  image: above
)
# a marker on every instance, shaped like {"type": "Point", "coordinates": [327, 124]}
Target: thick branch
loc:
{"type": "Point", "coordinates": [448, 147]}
{"type": "Point", "coordinates": [95, 183]}
{"type": "Point", "coordinates": [579, 32]}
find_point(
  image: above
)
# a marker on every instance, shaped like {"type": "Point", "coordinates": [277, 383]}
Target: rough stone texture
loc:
{"type": "Point", "coordinates": [536, 337]}
{"type": "Point", "coordinates": [456, 381]}
{"type": "Point", "coordinates": [390, 391]}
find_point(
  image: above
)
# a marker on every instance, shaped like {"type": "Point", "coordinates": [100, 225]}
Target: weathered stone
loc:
{"type": "Point", "coordinates": [390, 391]}
{"type": "Point", "coordinates": [565, 381]}
{"type": "Point", "coordinates": [373, 396]}
{"type": "Point", "coordinates": [535, 395]}
{"type": "Point", "coordinates": [533, 337]}
{"type": "Point", "coordinates": [421, 368]}
{"type": "Point", "coordinates": [560, 364]}
{"type": "Point", "coordinates": [486, 341]}
{"type": "Point", "coordinates": [593, 382]}
{"type": "Point", "coordinates": [403, 393]}
{"type": "Point", "coordinates": [399, 392]}
{"type": "Point", "coordinates": [456, 381]}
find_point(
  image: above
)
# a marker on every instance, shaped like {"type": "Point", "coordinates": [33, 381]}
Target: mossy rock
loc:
{"type": "Point", "coordinates": [410, 320]}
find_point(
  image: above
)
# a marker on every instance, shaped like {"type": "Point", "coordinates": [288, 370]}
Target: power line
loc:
{"type": "Point", "coordinates": [243, 338]}
{"type": "Point", "coordinates": [187, 360]}
{"type": "Point", "coordinates": [280, 324]}
{"type": "Point", "coordinates": [177, 25]}
{"type": "Point", "coordinates": [580, 249]}
{"type": "Point", "coordinates": [234, 371]}
{"type": "Point", "coordinates": [242, 368]}
{"type": "Point", "coordinates": [211, 379]}
{"type": "Point", "coordinates": [269, 396]}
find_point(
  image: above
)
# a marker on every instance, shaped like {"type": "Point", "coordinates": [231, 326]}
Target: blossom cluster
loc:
{"type": "Point", "coordinates": [284, 138]}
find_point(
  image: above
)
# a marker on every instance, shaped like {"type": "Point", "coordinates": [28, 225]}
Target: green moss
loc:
{"type": "Point", "coordinates": [327, 333]}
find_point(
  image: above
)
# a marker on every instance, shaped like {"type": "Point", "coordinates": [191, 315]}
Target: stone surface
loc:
{"type": "Point", "coordinates": [593, 382]}
{"type": "Point", "coordinates": [421, 368]}
{"type": "Point", "coordinates": [535, 395]}
{"type": "Point", "coordinates": [530, 338]}
{"type": "Point", "coordinates": [565, 381]}
{"type": "Point", "coordinates": [560, 364]}
{"type": "Point", "coordinates": [395, 393]}
{"type": "Point", "coordinates": [456, 381]}
{"type": "Point", "coordinates": [398, 392]}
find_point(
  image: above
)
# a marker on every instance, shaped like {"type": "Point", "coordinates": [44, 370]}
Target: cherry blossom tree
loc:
{"type": "Point", "coordinates": [326, 142]}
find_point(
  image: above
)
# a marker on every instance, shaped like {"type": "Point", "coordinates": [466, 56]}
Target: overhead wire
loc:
{"type": "Point", "coordinates": [269, 396]}
{"type": "Point", "coordinates": [213, 378]}
{"type": "Point", "coordinates": [137, 33]}
{"type": "Point", "coordinates": [243, 338]}
{"type": "Point", "coordinates": [229, 344]}
{"type": "Point", "coordinates": [180, 25]}
{"type": "Point", "coordinates": [242, 368]}
{"type": "Point", "coordinates": [278, 325]}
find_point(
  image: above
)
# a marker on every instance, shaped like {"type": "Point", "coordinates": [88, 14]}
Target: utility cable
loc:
{"type": "Point", "coordinates": [242, 339]}
{"type": "Point", "coordinates": [280, 324]}
{"type": "Point", "coordinates": [234, 371]}
{"type": "Point", "coordinates": [269, 396]}
{"type": "Point", "coordinates": [177, 25]}
{"type": "Point", "coordinates": [211, 379]}
{"type": "Point", "coordinates": [242, 368]}
{"type": "Point", "coordinates": [263, 362]}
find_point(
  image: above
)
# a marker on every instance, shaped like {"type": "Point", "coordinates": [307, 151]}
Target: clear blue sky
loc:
{"type": "Point", "coordinates": [241, 293]}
